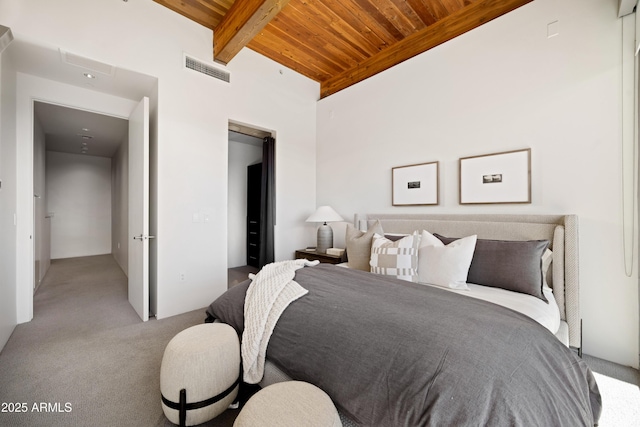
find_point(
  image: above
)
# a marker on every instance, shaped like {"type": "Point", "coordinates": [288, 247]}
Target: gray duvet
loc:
{"type": "Point", "coordinates": [394, 353]}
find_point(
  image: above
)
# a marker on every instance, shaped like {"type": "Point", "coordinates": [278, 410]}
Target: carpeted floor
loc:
{"type": "Point", "coordinates": [620, 390]}
{"type": "Point", "coordinates": [86, 358]}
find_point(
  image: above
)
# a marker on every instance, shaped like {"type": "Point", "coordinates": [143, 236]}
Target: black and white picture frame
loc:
{"type": "Point", "coordinates": [496, 178]}
{"type": "Point", "coordinates": [415, 185]}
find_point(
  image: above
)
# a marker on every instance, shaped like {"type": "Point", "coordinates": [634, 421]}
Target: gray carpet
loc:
{"type": "Point", "coordinates": [620, 389]}
{"type": "Point", "coordinates": [86, 358]}
{"type": "Point", "coordinates": [86, 355]}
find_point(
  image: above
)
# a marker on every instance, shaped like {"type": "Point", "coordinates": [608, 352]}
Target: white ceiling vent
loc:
{"type": "Point", "coordinates": [204, 68]}
{"type": "Point", "coordinates": [87, 64]}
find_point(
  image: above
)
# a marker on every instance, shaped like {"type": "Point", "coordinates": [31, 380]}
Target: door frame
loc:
{"type": "Point", "coordinates": [27, 95]}
{"type": "Point", "coordinates": [249, 130]}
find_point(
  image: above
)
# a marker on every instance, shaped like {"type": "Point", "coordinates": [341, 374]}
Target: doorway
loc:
{"type": "Point", "coordinates": [249, 246]}
{"type": "Point", "coordinates": [81, 182]}
{"type": "Point", "coordinates": [114, 95]}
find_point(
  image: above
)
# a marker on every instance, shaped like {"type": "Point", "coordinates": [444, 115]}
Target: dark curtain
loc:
{"type": "Point", "coordinates": [268, 201]}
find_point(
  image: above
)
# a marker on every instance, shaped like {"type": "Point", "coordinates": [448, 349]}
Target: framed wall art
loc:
{"type": "Point", "coordinates": [415, 185]}
{"type": "Point", "coordinates": [496, 178]}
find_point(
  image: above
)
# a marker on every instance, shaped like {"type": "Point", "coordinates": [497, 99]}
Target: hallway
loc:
{"type": "Point", "coordinates": [84, 293]}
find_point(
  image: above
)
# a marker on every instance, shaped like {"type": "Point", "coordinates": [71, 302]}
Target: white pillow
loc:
{"type": "Point", "coordinates": [446, 266]}
{"type": "Point", "coordinates": [399, 258]}
{"type": "Point", "coordinates": [428, 239]}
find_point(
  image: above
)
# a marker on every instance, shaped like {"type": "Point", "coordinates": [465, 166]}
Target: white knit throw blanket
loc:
{"type": "Point", "coordinates": [268, 295]}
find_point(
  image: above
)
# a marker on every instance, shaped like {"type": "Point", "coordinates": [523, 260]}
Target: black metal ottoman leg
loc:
{"type": "Point", "coordinates": [183, 407]}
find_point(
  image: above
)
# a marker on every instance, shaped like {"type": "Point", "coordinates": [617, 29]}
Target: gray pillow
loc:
{"type": "Point", "coordinates": [507, 264]}
{"type": "Point", "coordinates": [359, 246]}
{"type": "Point", "coordinates": [395, 237]}
{"type": "Point", "coordinates": [229, 307]}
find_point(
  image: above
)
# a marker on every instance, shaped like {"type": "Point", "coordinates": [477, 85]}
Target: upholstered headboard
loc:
{"type": "Point", "coordinates": [560, 230]}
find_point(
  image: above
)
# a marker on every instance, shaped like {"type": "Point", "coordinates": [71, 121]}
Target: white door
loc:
{"type": "Point", "coordinates": [139, 209]}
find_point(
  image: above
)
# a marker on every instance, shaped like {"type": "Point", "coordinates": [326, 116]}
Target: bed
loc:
{"type": "Point", "coordinates": [391, 352]}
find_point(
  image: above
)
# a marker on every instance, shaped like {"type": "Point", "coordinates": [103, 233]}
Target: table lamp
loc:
{"type": "Point", "coordinates": [5, 37]}
{"type": "Point", "coordinates": [324, 214]}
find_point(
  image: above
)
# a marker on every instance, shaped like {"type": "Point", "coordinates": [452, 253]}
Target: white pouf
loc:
{"type": "Point", "coordinates": [289, 404]}
{"type": "Point", "coordinates": [204, 361]}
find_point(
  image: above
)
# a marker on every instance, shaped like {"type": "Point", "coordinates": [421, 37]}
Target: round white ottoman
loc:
{"type": "Point", "coordinates": [289, 404]}
{"type": "Point", "coordinates": [200, 373]}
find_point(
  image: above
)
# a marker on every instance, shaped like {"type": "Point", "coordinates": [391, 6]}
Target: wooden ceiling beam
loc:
{"type": "Point", "coordinates": [465, 19]}
{"type": "Point", "coordinates": [208, 15]}
{"type": "Point", "coordinates": [243, 21]}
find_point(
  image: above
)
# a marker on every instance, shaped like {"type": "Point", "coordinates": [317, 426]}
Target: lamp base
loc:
{"type": "Point", "coordinates": [325, 238]}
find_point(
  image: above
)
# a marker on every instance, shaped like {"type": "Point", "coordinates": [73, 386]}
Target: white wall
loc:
{"type": "Point", "coordinates": [193, 115]}
{"type": "Point", "coordinates": [120, 205]}
{"type": "Point", "coordinates": [79, 197]}
{"type": "Point", "coordinates": [240, 156]}
{"type": "Point", "coordinates": [8, 310]}
{"type": "Point", "coordinates": [500, 87]}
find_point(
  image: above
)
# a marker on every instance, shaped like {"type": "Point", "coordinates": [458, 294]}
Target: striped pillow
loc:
{"type": "Point", "coordinates": [399, 258]}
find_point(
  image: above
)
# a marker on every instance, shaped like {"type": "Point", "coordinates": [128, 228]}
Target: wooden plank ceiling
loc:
{"type": "Point", "coordinates": [337, 42]}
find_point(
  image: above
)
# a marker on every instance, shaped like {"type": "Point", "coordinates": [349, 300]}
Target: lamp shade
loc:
{"type": "Point", "coordinates": [324, 214]}
{"type": "Point", "coordinates": [5, 37]}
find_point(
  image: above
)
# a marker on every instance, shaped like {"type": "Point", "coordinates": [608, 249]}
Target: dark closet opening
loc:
{"type": "Point", "coordinates": [251, 206]}
{"type": "Point", "coordinates": [254, 209]}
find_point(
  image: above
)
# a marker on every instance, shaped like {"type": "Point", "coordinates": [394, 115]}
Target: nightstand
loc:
{"type": "Point", "coordinates": [312, 255]}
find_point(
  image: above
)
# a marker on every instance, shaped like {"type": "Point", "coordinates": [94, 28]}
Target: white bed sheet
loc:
{"type": "Point", "coordinates": [548, 315]}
